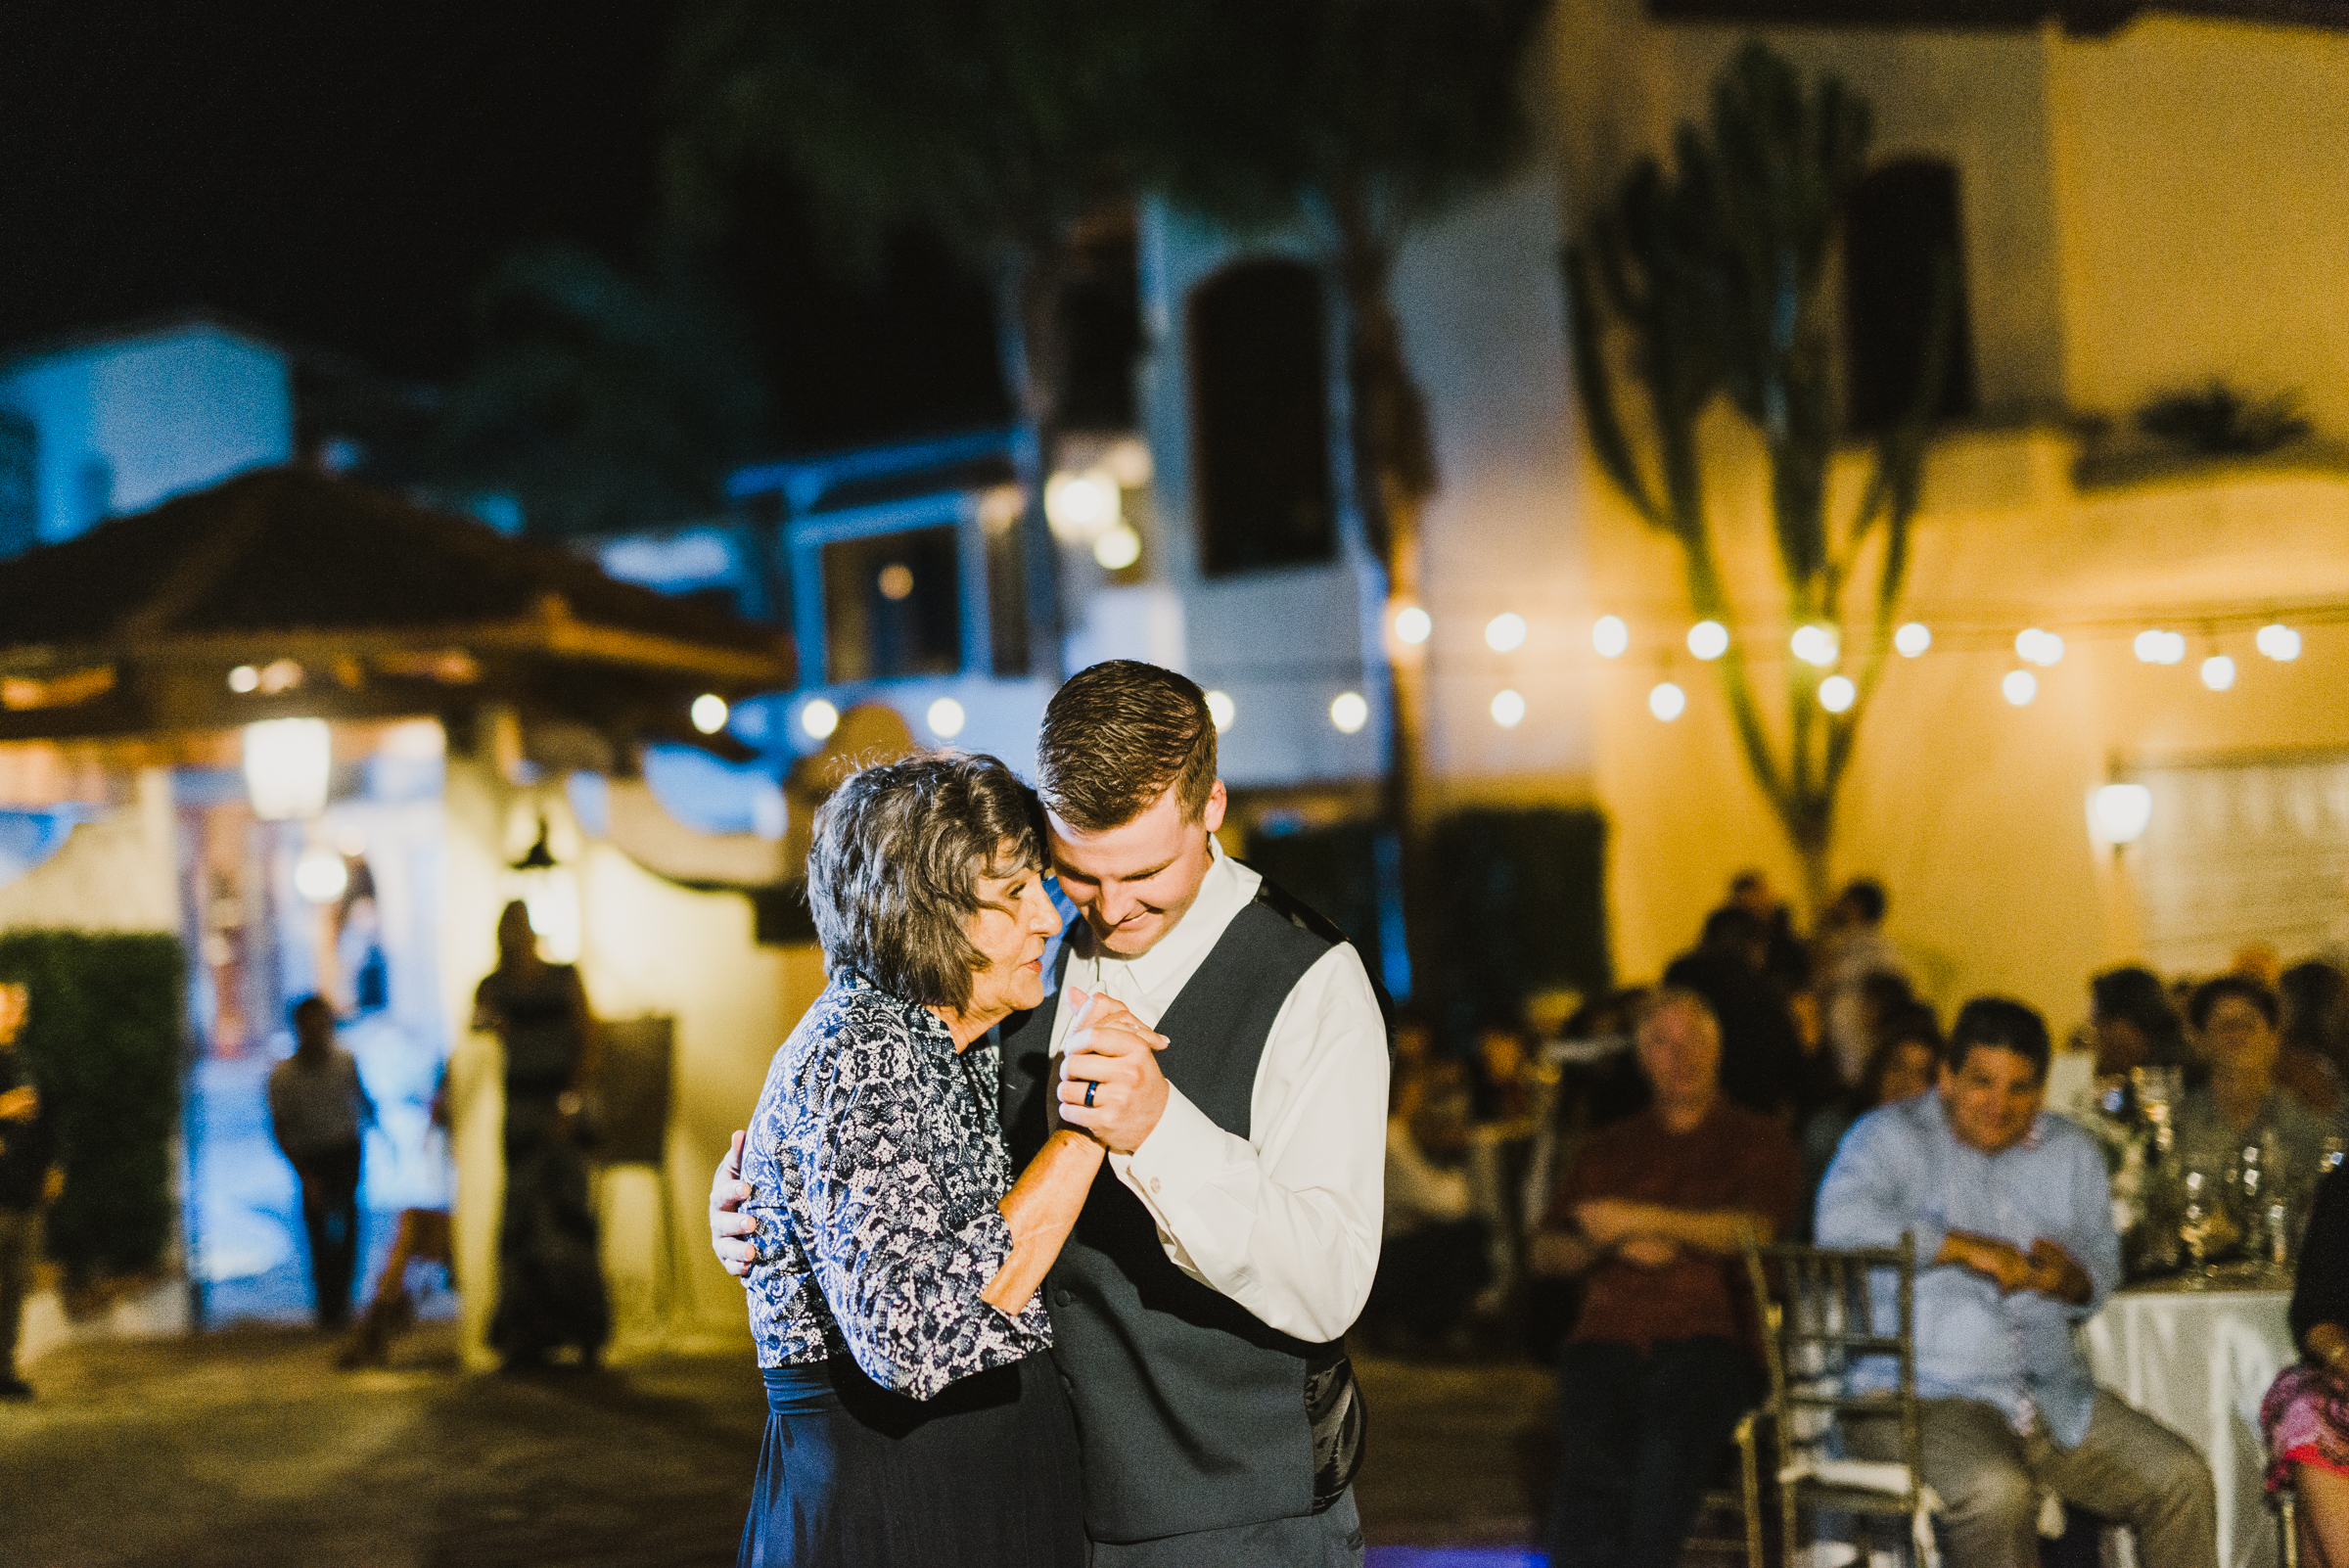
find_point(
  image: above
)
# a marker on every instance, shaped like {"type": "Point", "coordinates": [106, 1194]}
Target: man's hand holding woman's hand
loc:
{"type": "Point", "coordinates": [1110, 1084]}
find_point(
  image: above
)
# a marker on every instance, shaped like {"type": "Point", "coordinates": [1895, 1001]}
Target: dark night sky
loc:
{"type": "Point", "coordinates": [342, 174]}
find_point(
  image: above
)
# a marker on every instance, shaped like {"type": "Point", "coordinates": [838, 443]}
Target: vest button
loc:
{"type": "Point", "coordinates": [1154, 1183]}
{"type": "Point", "coordinates": [1063, 1297]}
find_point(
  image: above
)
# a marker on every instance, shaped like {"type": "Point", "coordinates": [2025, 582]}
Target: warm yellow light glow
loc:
{"type": "Point", "coordinates": [710, 713]}
{"type": "Point", "coordinates": [2218, 671]}
{"type": "Point", "coordinates": [287, 766]}
{"type": "Point", "coordinates": [945, 717]}
{"type": "Point", "coordinates": [1080, 507]}
{"type": "Point", "coordinates": [2157, 647]}
{"type": "Point", "coordinates": [1349, 712]}
{"type": "Point", "coordinates": [1508, 708]}
{"type": "Point", "coordinates": [1118, 549]}
{"type": "Point", "coordinates": [1667, 701]}
{"type": "Point", "coordinates": [1912, 639]}
{"type": "Point", "coordinates": [1221, 709]}
{"type": "Point", "coordinates": [2117, 813]}
{"type": "Point", "coordinates": [820, 719]}
{"type": "Point", "coordinates": [895, 581]}
{"type": "Point", "coordinates": [1708, 639]}
{"type": "Point", "coordinates": [1505, 632]}
{"type": "Point", "coordinates": [2278, 642]}
{"type": "Point", "coordinates": [1815, 645]}
{"type": "Point", "coordinates": [1837, 693]}
{"type": "Point", "coordinates": [2036, 647]}
{"type": "Point", "coordinates": [1610, 636]}
{"type": "Point", "coordinates": [244, 678]}
{"type": "Point", "coordinates": [320, 874]}
{"type": "Point", "coordinates": [1413, 624]}
{"type": "Point", "coordinates": [2020, 686]}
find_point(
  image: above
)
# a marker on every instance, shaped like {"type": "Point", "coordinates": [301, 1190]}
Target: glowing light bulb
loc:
{"type": "Point", "coordinates": [1413, 624]}
{"type": "Point", "coordinates": [820, 719]}
{"type": "Point", "coordinates": [2117, 813]}
{"type": "Point", "coordinates": [2278, 642]}
{"type": "Point", "coordinates": [1837, 693]}
{"type": "Point", "coordinates": [1508, 708]}
{"type": "Point", "coordinates": [321, 875]}
{"type": "Point", "coordinates": [2020, 686]}
{"type": "Point", "coordinates": [1912, 639]}
{"type": "Point", "coordinates": [244, 678]}
{"type": "Point", "coordinates": [1814, 645]}
{"type": "Point", "coordinates": [1708, 639]}
{"type": "Point", "coordinates": [1505, 632]}
{"type": "Point", "coordinates": [1610, 636]}
{"type": "Point", "coordinates": [1667, 701]}
{"type": "Point", "coordinates": [2218, 671]}
{"type": "Point", "coordinates": [1349, 712]}
{"type": "Point", "coordinates": [946, 719]}
{"type": "Point", "coordinates": [2158, 647]}
{"type": "Point", "coordinates": [710, 713]}
{"type": "Point", "coordinates": [2036, 647]}
{"type": "Point", "coordinates": [1220, 710]}
{"type": "Point", "coordinates": [1118, 549]}
{"type": "Point", "coordinates": [1080, 507]}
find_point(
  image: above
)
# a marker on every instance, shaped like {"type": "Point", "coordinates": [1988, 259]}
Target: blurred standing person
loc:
{"type": "Point", "coordinates": [1853, 948]}
{"type": "Point", "coordinates": [2312, 1053]}
{"type": "Point", "coordinates": [317, 1111]}
{"type": "Point", "coordinates": [1664, 1360]}
{"type": "Point", "coordinates": [1762, 1064]}
{"type": "Point", "coordinates": [32, 1175]}
{"type": "Point", "coordinates": [1432, 1261]}
{"type": "Point", "coordinates": [2305, 1416]}
{"type": "Point", "coordinates": [1788, 961]}
{"type": "Point", "coordinates": [1907, 1058]}
{"type": "Point", "coordinates": [2242, 1107]}
{"type": "Point", "coordinates": [2134, 1025]}
{"type": "Point", "coordinates": [550, 1278]}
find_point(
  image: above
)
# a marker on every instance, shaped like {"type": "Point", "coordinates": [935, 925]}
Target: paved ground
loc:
{"type": "Point", "coordinates": [245, 1448]}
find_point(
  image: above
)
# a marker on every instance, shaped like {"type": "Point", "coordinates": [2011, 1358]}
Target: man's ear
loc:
{"type": "Point", "coordinates": [1212, 817]}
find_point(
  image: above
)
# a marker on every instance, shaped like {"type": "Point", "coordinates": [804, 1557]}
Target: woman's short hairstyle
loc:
{"type": "Point", "coordinates": [894, 872]}
{"type": "Point", "coordinates": [2003, 1025]}
{"type": "Point", "coordinates": [2247, 987]}
{"type": "Point", "coordinates": [1117, 736]}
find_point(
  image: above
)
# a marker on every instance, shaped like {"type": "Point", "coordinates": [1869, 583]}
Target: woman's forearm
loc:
{"type": "Point", "coordinates": [1041, 1208]}
{"type": "Point", "coordinates": [2327, 1345]}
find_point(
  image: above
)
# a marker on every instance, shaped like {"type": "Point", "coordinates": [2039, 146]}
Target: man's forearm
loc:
{"type": "Point", "coordinates": [1714, 1230]}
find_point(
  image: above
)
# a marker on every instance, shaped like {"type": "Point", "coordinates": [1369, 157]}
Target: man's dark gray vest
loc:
{"type": "Point", "coordinates": [1194, 1414]}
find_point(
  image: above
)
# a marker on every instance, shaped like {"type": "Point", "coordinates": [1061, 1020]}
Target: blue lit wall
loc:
{"type": "Point", "coordinates": [126, 423]}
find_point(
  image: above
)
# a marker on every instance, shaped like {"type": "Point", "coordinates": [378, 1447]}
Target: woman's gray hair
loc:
{"type": "Point", "coordinates": [894, 873]}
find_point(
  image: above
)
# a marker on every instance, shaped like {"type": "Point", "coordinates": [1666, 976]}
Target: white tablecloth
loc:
{"type": "Point", "coordinates": [2199, 1362]}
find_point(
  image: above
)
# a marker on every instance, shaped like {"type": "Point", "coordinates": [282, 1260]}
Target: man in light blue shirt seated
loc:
{"type": "Point", "coordinates": [2013, 1218]}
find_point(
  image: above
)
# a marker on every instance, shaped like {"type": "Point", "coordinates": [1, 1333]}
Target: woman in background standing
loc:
{"type": "Point", "coordinates": [550, 1280]}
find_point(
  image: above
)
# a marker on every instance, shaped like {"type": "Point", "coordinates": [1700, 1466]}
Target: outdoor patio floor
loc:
{"type": "Point", "coordinates": [245, 1447]}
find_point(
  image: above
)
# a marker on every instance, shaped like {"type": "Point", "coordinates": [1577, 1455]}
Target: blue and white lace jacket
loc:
{"type": "Point", "coordinates": [877, 1159]}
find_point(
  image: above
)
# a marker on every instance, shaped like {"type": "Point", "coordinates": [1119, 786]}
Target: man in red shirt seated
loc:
{"type": "Point", "coordinates": [1664, 1360]}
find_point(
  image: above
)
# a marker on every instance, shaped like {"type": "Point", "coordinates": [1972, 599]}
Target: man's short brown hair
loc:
{"type": "Point", "coordinates": [1116, 736]}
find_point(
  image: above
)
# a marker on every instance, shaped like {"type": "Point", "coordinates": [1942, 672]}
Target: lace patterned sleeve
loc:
{"type": "Point", "coordinates": [902, 1278]}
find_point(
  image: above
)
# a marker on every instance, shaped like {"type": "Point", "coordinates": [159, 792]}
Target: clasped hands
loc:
{"type": "Point", "coordinates": [1632, 1231]}
{"type": "Point", "coordinates": [2045, 1269]}
{"type": "Point", "coordinates": [1110, 1086]}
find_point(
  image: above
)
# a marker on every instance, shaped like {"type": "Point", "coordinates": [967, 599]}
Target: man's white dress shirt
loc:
{"type": "Point", "coordinates": [1285, 1222]}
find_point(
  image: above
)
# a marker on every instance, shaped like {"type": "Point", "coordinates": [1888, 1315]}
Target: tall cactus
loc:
{"type": "Point", "coordinates": [1712, 276]}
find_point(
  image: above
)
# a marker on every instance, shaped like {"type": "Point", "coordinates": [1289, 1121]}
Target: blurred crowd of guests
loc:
{"type": "Point", "coordinates": [1578, 1192]}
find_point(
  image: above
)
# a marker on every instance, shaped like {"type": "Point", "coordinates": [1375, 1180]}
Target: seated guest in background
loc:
{"type": "Point", "coordinates": [1761, 1053]}
{"type": "Point", "coordinates": [1906, 1057]}
{"type": "Point", "coordinates": [2234, 1018]}
{"type": "Point", "coordinates": [1661, 1364]}
{"type": "Point", "coordinates": [2306, 1413]}
{"type": "Point", "coordinates": [2134, 1023]}
{"type": "Point", "coordinates": [1433, 1261]}
{"type": "Point", "coordinates": [2013, 1218]}
{"type": "Point", "coordinates": [2312, 1053]}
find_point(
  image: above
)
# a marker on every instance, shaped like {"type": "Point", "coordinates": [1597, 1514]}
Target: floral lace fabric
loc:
{"type": "Point", "coordinates": [877, 1159]}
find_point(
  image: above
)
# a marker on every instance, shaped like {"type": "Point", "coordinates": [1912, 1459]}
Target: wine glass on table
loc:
{"type": "Point", "coordinates": [2204, 1228]}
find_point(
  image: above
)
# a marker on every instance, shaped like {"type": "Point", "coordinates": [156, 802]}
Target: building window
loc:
{"type": "Point", "coordinates": [1902, 219]}
{"type": "Point", "coordinates": [892, 604]}
{"type": "Point", "coordinates": [1260, 419]}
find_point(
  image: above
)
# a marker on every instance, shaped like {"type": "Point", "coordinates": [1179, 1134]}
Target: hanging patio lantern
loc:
{"type": "Point", "coordinates": [288, 762]}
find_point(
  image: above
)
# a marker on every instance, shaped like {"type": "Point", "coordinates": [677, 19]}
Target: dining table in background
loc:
{"type": "Point", "coordinates": [2199, 1361]}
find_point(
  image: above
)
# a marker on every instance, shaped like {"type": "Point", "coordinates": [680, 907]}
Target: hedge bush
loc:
{"type": "Point", "coordinates": [106, 1034]}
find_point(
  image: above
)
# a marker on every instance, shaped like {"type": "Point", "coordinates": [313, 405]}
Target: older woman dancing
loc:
{"type": "Point", "coordinates": [2306, 1413]}
{"type": "Point", "coordinates": [911, 1418]}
